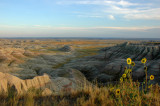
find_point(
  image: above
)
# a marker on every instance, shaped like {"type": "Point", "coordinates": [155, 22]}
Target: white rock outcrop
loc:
{"type": "Point", "coordinates": [22, 86]}
{"type": "Point", "coordinates": [46, 83]}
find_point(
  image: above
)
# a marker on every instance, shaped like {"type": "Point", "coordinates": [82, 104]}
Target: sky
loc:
{"type": "Point", "coordinates": [80, 18]}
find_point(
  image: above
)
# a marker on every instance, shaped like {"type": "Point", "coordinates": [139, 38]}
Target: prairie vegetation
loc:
{"type": "Point", "coordinates": [129, 94]}
{"type": "Point", "coordinates": [126, 92]}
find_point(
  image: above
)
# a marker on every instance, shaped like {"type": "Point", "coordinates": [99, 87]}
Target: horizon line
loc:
{"type": "Point", "coordinates": [125, 38]}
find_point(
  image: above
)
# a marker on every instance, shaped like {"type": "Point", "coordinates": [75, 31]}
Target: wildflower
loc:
{"type": "Point", "coordinates": [121, 80]}
{"type": "Point", "coordinates": [145, 68]}
{"type": "Point", "coordinates": [124, 75]}
{"type": "Point", "coordinates": [133, 64]}
{"type": "Point", "coordinates": [143, 60]}
{"type": "Point", "coordinates": [129, 60]}
{"type": "Point", "coordinates": [152, 77]}
{"type": "Point", "coordinates": [129, 70]}
{"type": "Point", "coordinates": [118, 92]}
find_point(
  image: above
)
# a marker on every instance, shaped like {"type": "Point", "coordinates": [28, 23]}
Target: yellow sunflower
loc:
{"type": "Point", "coordinates": [143, 60]}
{"type": "Point", "coordinates": [124, 75]}
{"type": "Point", "coordinates": [133, 64]}
{"type": "Point", "coordinates": [152, 77]}
{"type": "Point", "coordinates": [129, 60]}
{"type": "Point", "coordinates": [121, 80]}
{"type": "Point", "coordinates": [117, 91]}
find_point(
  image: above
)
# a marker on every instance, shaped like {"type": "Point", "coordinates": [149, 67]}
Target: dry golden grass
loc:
{"type": "Point", "coordinates": [75, 42]}
{"type": "Point", "coordinates": [70, 42]}
{"type": "Point", "coordinates": [129, 95]}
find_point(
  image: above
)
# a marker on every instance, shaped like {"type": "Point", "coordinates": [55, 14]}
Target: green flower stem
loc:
{"type": "Point", "coordinates": [142, 89]}
{"type": "Point", "coordinates": [146, 79]}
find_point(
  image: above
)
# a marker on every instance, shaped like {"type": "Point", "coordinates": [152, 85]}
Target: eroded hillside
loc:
{"type": "Point", "coordinates": [68, 62]}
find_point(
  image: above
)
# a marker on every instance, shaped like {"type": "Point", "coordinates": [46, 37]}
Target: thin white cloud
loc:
{"type": "Point", "coordinates": [124, 8]}
{"type": "Point", "coordinates": [106, 28]}
{"type": "Point", "coordinates": [41, 27]}
{"type": "Point", "coordinates": [90, 16]}
{"type": "Point", "coordinates": [12, 31]}
{"type": "Point", "coordinates": [142, 16]}
{"type": "Point", "coordinates": [120, 10]}
{"type": "Point", "coordinates": [122, 3]}
{"type": "Point", "coordinates": [125, 3]}
{"type": "Point", "coordinates": [136, 13]}
{"type": "Point", "coordinates": [98, 2]}
{"type": "Point", "coordinates": [145, 14]}
{"type": "Point", "coordinates": [48, 27]}
{"type": "Point", "coordinates": [36, 25]}
{"type": "Point", "coordinates": [129, 28]}
{"type": "Point", "coordinates": [111, 17]}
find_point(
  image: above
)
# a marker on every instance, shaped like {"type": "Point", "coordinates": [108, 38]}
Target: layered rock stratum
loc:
{"type": "Point", "coordinates": [63, 65]}
{"type": "Point", "coordinates": [47, 84]}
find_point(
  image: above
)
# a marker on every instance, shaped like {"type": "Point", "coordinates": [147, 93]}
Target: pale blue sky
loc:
{"type": "Point", "coordinates": [80, 18]}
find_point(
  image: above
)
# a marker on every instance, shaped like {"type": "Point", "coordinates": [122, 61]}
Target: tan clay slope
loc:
{"type": "Point", "coordinates": [10, 58]}
{"type": "Point", "coordinates": [54, 85]}
{"type": "Point", "coordinates": [21, 86]}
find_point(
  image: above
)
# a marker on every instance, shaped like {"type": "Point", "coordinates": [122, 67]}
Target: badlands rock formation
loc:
{"type": "Point", "coordinates": [66, 48]}
{"type": "Point", "coordinates": [108, 65]}
{"type": "Point", "coordinates": [9, 81]}
{"type": "Point", "coordinates": [41, 64]}
{"type": "Point", "coordinates": [116, 60]}
{"type": "Point", "coordinates": [48, 85]}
